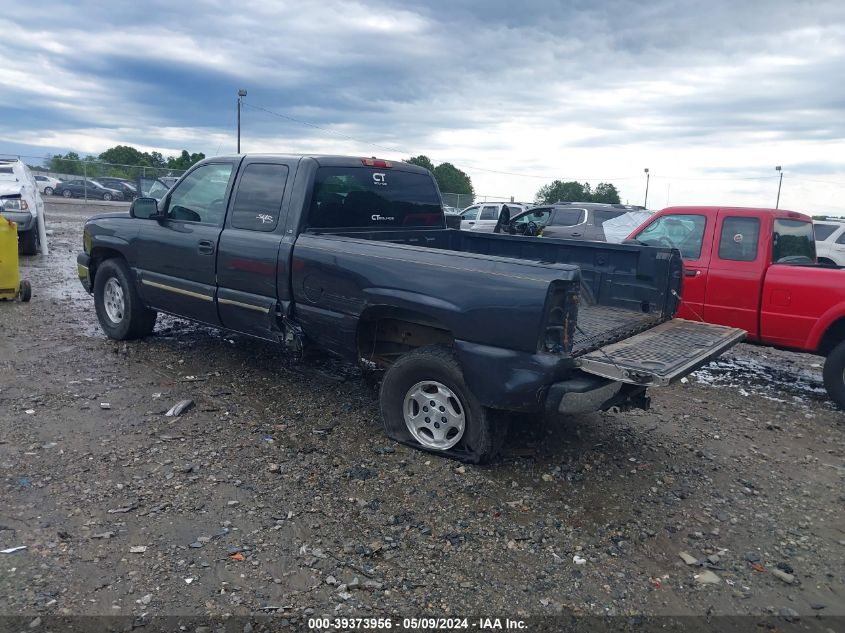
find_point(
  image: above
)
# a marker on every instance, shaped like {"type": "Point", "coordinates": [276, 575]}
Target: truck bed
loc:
{"type": "Point", "coordinates": [624, 289]}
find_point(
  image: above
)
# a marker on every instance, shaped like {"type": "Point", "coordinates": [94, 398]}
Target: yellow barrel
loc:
{"type": "Point", "coordinates": [10, 276]}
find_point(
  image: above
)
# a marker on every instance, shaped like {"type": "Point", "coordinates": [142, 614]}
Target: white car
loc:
{"type": "Point", "coordinates": [22, 203]}
{"type": "Point", "coordinates": [830, 241]}
{"type": "Point", "coordinates": [484, 217]}
{"type": "Point", "coordinates": [46, 184]}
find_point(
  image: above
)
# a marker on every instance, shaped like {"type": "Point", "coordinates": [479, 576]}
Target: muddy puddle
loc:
{"type": "Point", "coordinates": [772, 378]}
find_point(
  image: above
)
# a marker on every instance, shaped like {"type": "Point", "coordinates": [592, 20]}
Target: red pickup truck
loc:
{"type": "Point", "coordinates": [756, 269]}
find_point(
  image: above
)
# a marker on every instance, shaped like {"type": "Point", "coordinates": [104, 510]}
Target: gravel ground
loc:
{"type": "Point", "coordinates": [278, 493]}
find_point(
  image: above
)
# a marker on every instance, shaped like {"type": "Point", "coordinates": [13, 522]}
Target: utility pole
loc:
{"type": "Point", "coordinates": [780, 182]}
{"type": "Point", "coordinates": [647, 176]}
{"type": "Point", "coordinates": [241, 95]}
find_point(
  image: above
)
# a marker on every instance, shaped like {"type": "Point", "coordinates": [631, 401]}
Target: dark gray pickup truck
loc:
{"type": "Point", "coordinates": [353, 255]}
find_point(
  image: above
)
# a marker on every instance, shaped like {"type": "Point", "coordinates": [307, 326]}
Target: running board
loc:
{"type": "Point", "coordinates": [663, 354]}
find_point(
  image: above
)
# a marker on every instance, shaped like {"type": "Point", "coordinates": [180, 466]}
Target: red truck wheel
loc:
{"type": "Point", "coordinates": [834, 375]}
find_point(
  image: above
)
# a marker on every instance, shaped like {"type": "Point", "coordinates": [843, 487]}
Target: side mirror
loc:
{"type": "Point", "coordinates": [144, 208]}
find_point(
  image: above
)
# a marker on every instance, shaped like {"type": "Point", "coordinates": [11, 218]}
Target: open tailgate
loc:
{"type": "Point", "coordinates": [663, 354]}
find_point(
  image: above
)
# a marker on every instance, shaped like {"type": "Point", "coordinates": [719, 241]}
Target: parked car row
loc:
{"type": "Point", "coordinates": [101, 188]}
{"type": "Point", "coordinates": [567, 220]}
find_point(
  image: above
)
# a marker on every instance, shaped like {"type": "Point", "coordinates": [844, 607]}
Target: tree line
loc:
{"type": "Point", "coordinates": [573, 191]}
{"type": "Point", "coordinates": [449, 178]}
{"type": "Point", "coordinates": [125, 162]}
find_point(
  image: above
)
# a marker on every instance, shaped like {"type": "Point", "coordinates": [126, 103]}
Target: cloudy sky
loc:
{"type": "Point", "coordinates": [710, 96]}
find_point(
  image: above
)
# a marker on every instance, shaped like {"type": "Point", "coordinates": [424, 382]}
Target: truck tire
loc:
{"type": "Point", "coordinates": [29, 241]}
{"type": "Point", "coordinates": [120, 311]}
{"type": "Point", "coordinates": [425, 403]}
{"type": "Point", "coordinates": [834, 375]}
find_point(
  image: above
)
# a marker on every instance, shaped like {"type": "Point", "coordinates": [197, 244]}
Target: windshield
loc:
{"type": "Point", "coordinates": [538, 216]}
{"type": "Point", "coordinates": [684, 232]}
{"type": "Point", "coordinates": [793, 240]}
{"type": "Point", "coordinates": [373, 198]}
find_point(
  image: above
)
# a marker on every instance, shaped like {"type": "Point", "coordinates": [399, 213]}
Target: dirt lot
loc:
{"type": "Point", "coordinates": [277, 493]}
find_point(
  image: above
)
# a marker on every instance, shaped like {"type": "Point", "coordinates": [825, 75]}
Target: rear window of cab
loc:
{"type": "Point", "coordinates": [373, 198]}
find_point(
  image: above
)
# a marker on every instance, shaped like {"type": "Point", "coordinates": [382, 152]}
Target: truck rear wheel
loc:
{"type": "Point", "coordinates": [425, 403]}
{"type": "Point", "coordinates": [120, 311]}
{"type": "Point", "coordinates": [834, 374]}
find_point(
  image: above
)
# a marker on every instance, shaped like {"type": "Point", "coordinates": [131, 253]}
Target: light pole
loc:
{"type": "Point", "coordinates": [241, 95]}
{"type": "Point", "coordinates": [647, 176]}
{"type": "Point", "coordinates": [780, 182]}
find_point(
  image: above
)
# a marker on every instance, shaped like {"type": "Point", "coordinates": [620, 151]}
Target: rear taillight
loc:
{"type": "Point", "coordinates": [560, 314]}
{"type": "Point", "coordinates": [376, 162]}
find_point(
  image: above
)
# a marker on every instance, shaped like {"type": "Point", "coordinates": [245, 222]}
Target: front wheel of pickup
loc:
{"type": "Point", "coordinates": [834, 375]}
{"type": "Point", "coordinates": [120, 311]}
{"type": "Point", "coordinates": [425, 403]}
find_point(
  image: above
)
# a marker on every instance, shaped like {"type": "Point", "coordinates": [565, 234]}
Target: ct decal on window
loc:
{"type": "Point", "coordinates": [380, 179]}
{"type": "Point", "coordinates": [265, 218]}
{"type": "Point", "coordinates": [382, 218]}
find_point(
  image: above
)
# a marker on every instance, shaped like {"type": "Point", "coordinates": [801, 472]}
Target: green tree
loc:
{"type": "Point", "coordinates": [605, 192]}
{"type": "Point", "coordinates": [157, 160]}
{"type": "Point", "coordinates": [450, 179]}
{"type": "Point", "coordinates": [559, 191]}
{"type": "Point", "coordinates": [184, 161]}
{"type": "Point", "coordinates": [573, 191]}
{"type": "Point", "coordinates": [70, 163]}
{"type": "Point", "coordinates": [421, 161]}
{"type": "Point", "coordinates": [124, 155]}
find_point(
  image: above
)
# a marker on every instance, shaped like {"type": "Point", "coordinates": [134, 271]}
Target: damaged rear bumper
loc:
{"type": "Point", "coordinates": [585, 393]}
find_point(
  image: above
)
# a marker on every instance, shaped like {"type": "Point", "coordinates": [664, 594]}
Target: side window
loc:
{"type": "Point", "coordinates": [738, 239]}
{"type": "Point", "coordinates": [793, 242]}
{"type": "Point", "coordinates": [489, 212]}
{"type": "Point", "coordinates": [824, 231]}
{"type": "Point", "coordinates": [600, 217]}
{"type": "Point", "coordinates": [567, 217]}
{"type": "Point", "coordinates": [537, 216]}
{"type": "Point", "coordinates": [258, 202]}
{"type": "Point", "coordinates": [470, 214]}
{"type": "Point", "coordinates": [841, 239]}
{"type": "Point", "coordinates": [684, 232]}
{"type": "Point", "coordinates": [201, 197]}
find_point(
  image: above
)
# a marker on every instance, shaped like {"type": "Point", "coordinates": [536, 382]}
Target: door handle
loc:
{"type": "Point", "coordinates": [575, 234]}
{"type": "Point", "coordinates": [692, 273]}
{"type": "Point", "coordinates": [470, 222]}
{"type": "Point", "coordinates": [205, 247]}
